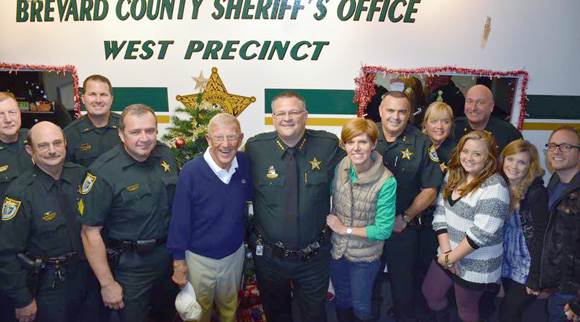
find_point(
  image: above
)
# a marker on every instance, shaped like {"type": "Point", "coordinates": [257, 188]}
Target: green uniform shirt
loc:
{"type": "Point", "coordinates": [413, 161]}
{"type": "Point", "coordinates": [503, 131]}
{"type": "Point", "coordinates": [317, 154]}
{"type": "Point", "coordinates": [132, 199]}
{"type": "Point", "coordinates": [85, 142]}
{"type": "Point", "coordinates": [34, 223]}
{"type": "Point", "coordinates": [14, 160]}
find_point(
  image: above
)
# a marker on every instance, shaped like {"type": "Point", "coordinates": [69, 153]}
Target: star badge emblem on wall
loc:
{"type": "Point", "coordinates": [215, 92]}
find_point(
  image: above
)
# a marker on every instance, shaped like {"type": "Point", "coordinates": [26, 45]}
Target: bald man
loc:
{"type": "Point", "coordinates": [39, 236]}
{"type": "Point", "coordinates": [478, 108]}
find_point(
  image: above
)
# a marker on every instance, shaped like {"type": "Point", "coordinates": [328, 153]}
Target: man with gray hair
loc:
{"type": "Point", "coordinates": [206, 233]}
{"type": "Point", "coordinates": [130, 190]}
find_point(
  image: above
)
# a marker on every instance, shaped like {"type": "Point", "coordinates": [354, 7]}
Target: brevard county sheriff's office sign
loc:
{"type": "Point", "coordinates": [50, 11]}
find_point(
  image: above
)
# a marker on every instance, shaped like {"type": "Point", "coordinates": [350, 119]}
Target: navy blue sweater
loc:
{"type": "Point", "coordinates": [208, 215]}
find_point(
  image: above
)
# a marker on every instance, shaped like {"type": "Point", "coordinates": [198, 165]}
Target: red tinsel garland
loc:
{"type": "Point", "coordinates": [365, 84]}
{"type": "Point", "coordinates": [14, 68]}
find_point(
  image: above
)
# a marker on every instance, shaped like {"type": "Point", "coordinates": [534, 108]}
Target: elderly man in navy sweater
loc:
{"type": "Point", "coordinates": [206, 233]}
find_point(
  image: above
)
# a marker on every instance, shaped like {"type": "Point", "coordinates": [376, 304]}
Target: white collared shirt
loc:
{"type": "Point", "coordinates": [223, 174]}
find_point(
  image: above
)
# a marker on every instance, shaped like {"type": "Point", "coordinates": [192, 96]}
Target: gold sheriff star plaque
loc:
{"type": "Point", "coordinates": [215, 93]}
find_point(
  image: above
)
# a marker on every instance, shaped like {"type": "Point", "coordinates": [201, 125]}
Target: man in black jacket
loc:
{"type": "Point", "coordinates": [561, 250]}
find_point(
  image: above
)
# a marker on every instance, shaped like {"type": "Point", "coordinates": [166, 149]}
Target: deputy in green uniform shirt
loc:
{"type": "Point", "coordinates": [39, 221]}
{"type": "Point", "coordinates": [93, 134]}
{"type": "Point", "coordinates": [13, 157]}
{"type": "Point", "coordinates": [290, 241]}
{"type": "Point", "coordinates": [130, 191]}
{"type": "Point", "coordinates": [478, 108]}
{"type": "Point", "coordinates": [412, 159]}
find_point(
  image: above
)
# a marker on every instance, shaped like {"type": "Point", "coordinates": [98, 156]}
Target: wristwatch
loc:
{"type": "Point", "coordinates": [349, 231]}
{"type": "Point", "coordinates": [406, 218]}
{"type": "Point", "coordinates": [447, 262]}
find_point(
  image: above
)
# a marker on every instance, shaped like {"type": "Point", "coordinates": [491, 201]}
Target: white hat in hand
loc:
{"type": "Point", "coordinates": [186, 304]}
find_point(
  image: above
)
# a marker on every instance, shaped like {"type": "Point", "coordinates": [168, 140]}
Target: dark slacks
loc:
{"type": "Point", "coordinates": [310, 280]}
{"type": "Point", "coordinates": [515, 301]}
{"type": "Point", "coordinates": [74, 299]}
{"type": "Point", "coordinates": [147, 287]}
{"type": "Point", "coordinates": [401, 255]}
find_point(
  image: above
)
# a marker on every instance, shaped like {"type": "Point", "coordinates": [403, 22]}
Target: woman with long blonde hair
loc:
{"type": "Point", "coordinates": [468, 220]}
{"type": "Point", "coordinates": [520, 166]}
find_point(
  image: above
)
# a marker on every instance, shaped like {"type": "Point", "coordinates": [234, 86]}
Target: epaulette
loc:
{"type": "Point", "coordinates": [106, 157]}
{"type": "Point", "coordinates": [263, 137]}
{"type": "Point", "coordinates": [70, 165]}
{"type": "Point", "coordinates": [322, 134]}
{"type": "Point", "coordinates": [74, 123]}
{"type": "Point", "coordinates": [23, 181]}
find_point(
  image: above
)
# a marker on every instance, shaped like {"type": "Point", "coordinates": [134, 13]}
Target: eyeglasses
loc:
{"type": "Point", "coordinates": [292, 114]}
{"type": "Point", "coordinates": [221, 138]}
{"type": "Point", "coordinates": [563, 147]}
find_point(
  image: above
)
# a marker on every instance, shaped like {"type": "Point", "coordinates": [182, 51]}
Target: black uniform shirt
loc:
{"type": "Point", "coordinates": [503, 131]}
{"type": "Point", "coordinates": [318, 152]}
{"type": "Point", "coordinates": [444, 152]}
{"type": "Point", "coordinates": [132, 199]}
{"type": "Point", "coordinates": [14, 160]}
{"type": "Point", "coordinates": [34, 223]}
{"type": "Point", "coordinates": [413, 161]}
{"type": "Point", "coordinates": [85, 142]}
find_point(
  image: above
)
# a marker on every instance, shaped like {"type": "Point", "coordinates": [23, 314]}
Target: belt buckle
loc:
{"type": "Point", "coordinates": [145, 246]}
{"type": "Point", "coordinates": [279, 250]}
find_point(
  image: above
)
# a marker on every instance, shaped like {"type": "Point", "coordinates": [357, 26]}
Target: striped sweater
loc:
{"type": "Point", "coordinates": [479, 216]}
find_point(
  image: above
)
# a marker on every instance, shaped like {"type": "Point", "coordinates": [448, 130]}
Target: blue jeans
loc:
{"type": "Point", "coordinates": [556, 304]}
{"type": "Point", "coordinates": [353, 284]}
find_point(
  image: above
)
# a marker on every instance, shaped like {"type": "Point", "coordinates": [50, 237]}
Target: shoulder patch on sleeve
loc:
{"type": "Point", "coordinates": [10, 208]}
{"type": "Point", "coordinates": [88, 184]}
{"type": "Point", "coordinates": [433, 154]}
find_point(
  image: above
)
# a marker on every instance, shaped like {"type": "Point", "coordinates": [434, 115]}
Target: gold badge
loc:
{"type": "Point", "coordinates": [271, 173]}
{"type": "Point", "coordinates": [134, 187]}
{"type": "Point", "coordinates": [10, 208]}
{"type": "Point", "coordinates": [3, 168]}
{"type": "Point", "coordinates": [48, 216]}
{"type": "Point", "coordinates": [88, 184]}
{"type": "Point", "coordinates": [85, 147]}
{"type": "Point", "coordinates": [443, 166]}
{"type": "Point", "coordinates": [315, 164]}
{"type": "Point", "coordinates": [81, 207]}
{"type": "Point", "coordinates": [433, 154]}
{"type": "Point", "coordinates": [407, 154]}
{"type": "Point", "coordinates": [165, 166]}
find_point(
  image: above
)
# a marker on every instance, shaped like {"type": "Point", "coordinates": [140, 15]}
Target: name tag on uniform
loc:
{"type": "Point", "coordinates": [134, 187]}
{"type": "Point", "coordinates": [85, 147]}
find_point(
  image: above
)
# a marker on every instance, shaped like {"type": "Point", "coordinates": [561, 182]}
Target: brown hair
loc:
{"type": "Point", "coordinates": [290, 94]}
{"type": "Point", "coordinates": [97, 78]}
{"type": "Point", "coordinates": [458, 175]}
{"type": "Point", "coordinates": [358, 126]}
{"type": "Point", "coordinates": [567, 127]}
{"type": "Point", "coordinates": [135, 109]}
{"type": "Point", "coordinates": [535, 170]}
{"type": "Point", "coordinates": [7, 95]}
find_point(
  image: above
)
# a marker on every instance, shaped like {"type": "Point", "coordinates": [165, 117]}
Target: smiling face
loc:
{"type": "Point", "coordinates": [47, 147]}
{"type": "Point", "coordinates": [139, 135]}
{"type": "Point", "coordinates": [516, 166]}
{"type": "Point", "coordinates": [10, 120]}
{"type": "Point", "coordinates": [478, 106]}
{"type": "Point", "coordinates": [359, 150]}
{"type": "Point", "coordinates": [289, 119]}
{"type": "Point", "coordinates": [438, 129]}
{"type": "Point", "coordinates": [223, 141]}
{"type": "Point", "coordinates": [473, 157]}
{"type": "Point", "coordinates": [97, 98]}
{"type": "Point", "coordinates": [564, 162]}
{"type": "Point", "coordinates": [395, 113]}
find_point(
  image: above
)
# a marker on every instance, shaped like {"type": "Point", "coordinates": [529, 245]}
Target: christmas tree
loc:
{"type": "Point", "coordinates": [186, 135]}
